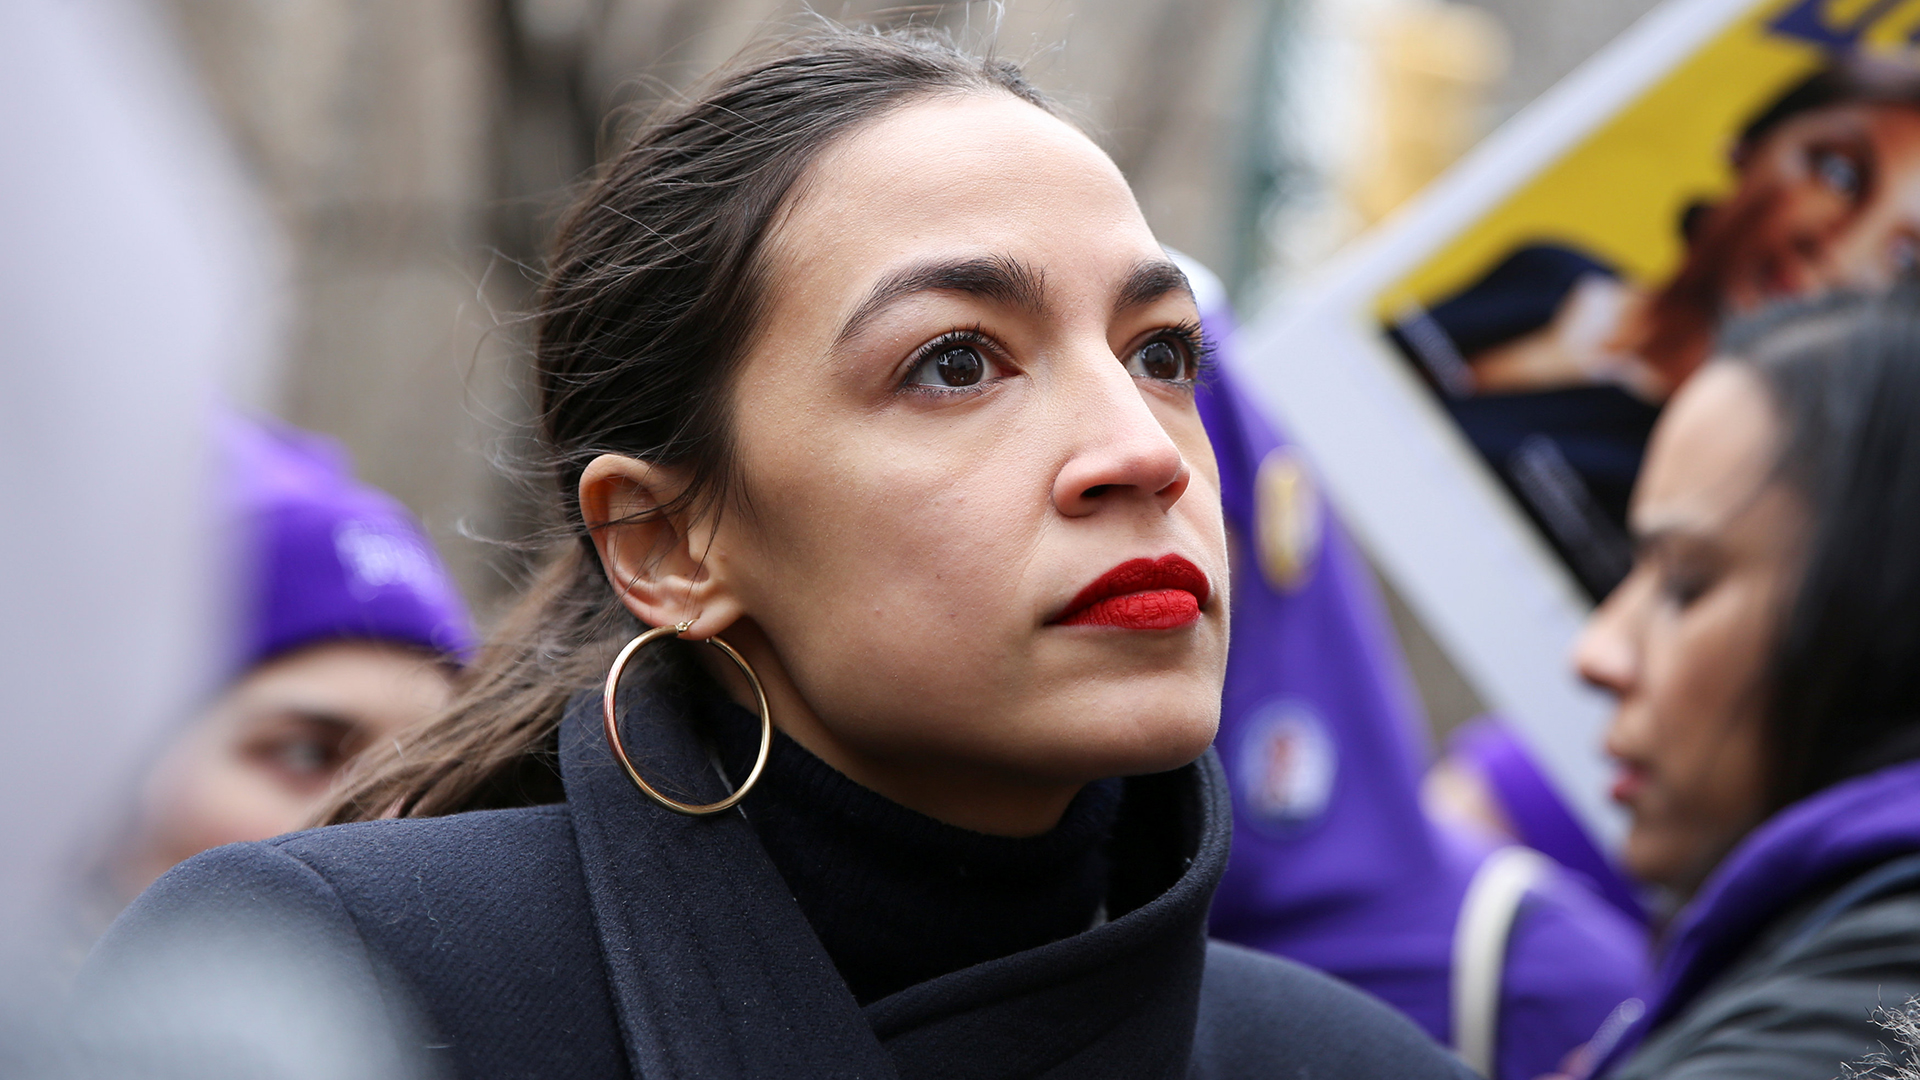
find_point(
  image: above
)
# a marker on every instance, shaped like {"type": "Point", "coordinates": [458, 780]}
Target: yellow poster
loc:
{"type": "Point", "coordinates": [1781, 160]}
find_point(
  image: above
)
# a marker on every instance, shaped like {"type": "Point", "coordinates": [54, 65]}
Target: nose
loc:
{"type": "Point", "coordinates": [1121, 451]}
{"type": "Point", "coordinates": [1606, 656]}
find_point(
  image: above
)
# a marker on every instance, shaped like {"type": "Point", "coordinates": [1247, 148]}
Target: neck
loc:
{"type": "Point", "coordinates": [898, 898]}
{"type": "Point", "coordinates": [978, 797]}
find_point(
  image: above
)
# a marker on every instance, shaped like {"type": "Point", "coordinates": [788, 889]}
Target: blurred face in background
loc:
{"type": "Point", "coordinates": [259, 761]}
{"type": "Point", "coordinates": [1830, 198]}
{"type": "Point", "coordinates": [1683, 642]}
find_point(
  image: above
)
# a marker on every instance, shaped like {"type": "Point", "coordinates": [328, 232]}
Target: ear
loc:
{"type": "Point", "coordinates": [665, 568]}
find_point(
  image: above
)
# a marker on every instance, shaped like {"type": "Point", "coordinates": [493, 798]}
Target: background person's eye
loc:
{"type": "Point", "coordinates": [304, 757]}
{"type": "Point", "coordinates": [1838, 172]}
{"type": "Point", "coordinates": [1166, 359]}
{"type": "Point", "coordinates": [1684, 585]}
{"type": "Point", "coordinates": [953, 365]}
{"type": "Point", "coordinates": [303, 752]}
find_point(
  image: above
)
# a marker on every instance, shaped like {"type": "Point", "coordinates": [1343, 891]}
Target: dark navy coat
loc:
{"type": "Point", "coordinates": [605, 937]}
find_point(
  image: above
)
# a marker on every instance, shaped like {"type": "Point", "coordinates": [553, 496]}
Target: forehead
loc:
{"type": "Point", "coordinates": [1714, 448]}
{"type": "Point", "coordinates": [954, 175]}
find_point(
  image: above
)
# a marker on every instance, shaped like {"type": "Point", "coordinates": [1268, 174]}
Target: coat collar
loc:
{"type": "Point", "coordinates": [1813, 844]}
{"type": "Point", "coordinates": [714, 971]}
{"type": "Point", "coordinates": [696, 924]}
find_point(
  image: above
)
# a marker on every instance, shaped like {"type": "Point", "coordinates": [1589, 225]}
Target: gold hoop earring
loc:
{"type": "Point", "coordinates": [610, 714]}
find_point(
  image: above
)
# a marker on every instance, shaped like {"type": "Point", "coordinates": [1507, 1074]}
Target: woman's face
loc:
{"type": "Point", "coordinates": [1829, 199]}
{"type": "Point", "coordinates": [972, 400]}
{"type": "Point", "coordinates": [262, 758]}
{"type": "Point", "coordinates": [1682, 642]}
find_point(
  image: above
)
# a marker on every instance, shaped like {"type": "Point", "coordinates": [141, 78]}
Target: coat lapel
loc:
{"type": "Point", "coordinates": [714, 970]}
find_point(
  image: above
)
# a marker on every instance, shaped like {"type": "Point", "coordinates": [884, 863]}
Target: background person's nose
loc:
{"type": "Point", "coordinates": [1605, 655]}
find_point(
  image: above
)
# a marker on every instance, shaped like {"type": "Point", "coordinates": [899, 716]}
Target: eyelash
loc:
{"type": "Point", "coordinates": [1189, 334]}
{"type": "Point", "coordinates": [1199, 346]}
{"type": "Point", "coordinates": [1684, 585]}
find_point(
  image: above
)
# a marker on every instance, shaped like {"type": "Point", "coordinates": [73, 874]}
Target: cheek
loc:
{"type": "Point", "coordinates": [1703, 740]}
{"type": "Point", "coordinates": [211, 796]}
{"type": "Point", "coordinates": [911, 564]}
{"type": "Point", "coordinates": [1704, 661]}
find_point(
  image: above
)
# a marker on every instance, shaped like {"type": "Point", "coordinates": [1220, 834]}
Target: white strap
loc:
{"type": "Point", "coordinates": [1480, 949]}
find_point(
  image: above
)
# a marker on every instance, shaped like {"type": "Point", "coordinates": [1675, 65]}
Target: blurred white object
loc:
{"type": "Point", "coordinates": [137, 284]}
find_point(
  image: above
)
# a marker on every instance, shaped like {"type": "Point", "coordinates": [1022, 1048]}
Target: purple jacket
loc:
{"type": "Point", "coordinates": [1334, 863]}
{"type": "Point", "coordinates": [1824, 841]}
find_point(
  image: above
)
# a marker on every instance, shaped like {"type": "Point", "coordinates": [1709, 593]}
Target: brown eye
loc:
{"type": "Point", "coordinates": [952, 366]}
{"type": "Point", "coordinates": [960, 367]}
{"type": "Point", "coordinates": [1161, 359]}
{"type": "Point", "coordinates": [302, 751]}
{"type": "Point", "coordinates": [305, 757]}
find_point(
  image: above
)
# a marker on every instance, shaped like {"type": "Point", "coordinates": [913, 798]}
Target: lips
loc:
{"type": "Point", "coordinates": [1141, 594]}
{"type": "Point", "coordinates": [1627, 785]}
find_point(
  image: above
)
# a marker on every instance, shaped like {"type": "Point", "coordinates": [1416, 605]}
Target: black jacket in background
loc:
{"type": "Point", "coordinates": [605, 937]}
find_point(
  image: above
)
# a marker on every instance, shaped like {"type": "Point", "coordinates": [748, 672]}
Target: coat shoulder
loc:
{"type": "Point", "coordinates": [525, 852]}
{"type": "Point", "coordinates": [1260, 1012]}
{"type": "Point", "coordinates": [1799, 1004]}
{"type": "Point", "coordinates": [480, 920]}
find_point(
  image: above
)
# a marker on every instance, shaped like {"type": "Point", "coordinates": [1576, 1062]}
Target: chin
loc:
{"type": "Point", "coordinates": [1178, 747]}
{"type": "Point", "coordinates": [1647, 860]}
{"type": "Point", "coordinates": [1144, 735]}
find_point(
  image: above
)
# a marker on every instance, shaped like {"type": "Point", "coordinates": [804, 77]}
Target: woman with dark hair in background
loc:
{"type": "Point", "coordinates": [1765, 652]}
{"type": "Point", "coordinates": [865, 360]}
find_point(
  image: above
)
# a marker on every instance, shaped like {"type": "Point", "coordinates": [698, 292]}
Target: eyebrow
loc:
{"type": "Point", "coordinates": [1001, 279]}
{"type": "Point", "coordinates": [1679, 541]}
{"type": "Point", "coordinates": [1150, 280]}
{"type": "Point", "coordinates": [1006, 280]}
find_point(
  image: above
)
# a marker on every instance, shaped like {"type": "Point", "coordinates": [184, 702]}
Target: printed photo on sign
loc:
{"type": "Point", "coordinates": [1780, 161]}
{"type": "Point", "coordinates": [1475, 378]}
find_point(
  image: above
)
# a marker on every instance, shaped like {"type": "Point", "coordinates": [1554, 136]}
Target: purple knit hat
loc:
{"type": "Point", "coordinates": [331, 558]}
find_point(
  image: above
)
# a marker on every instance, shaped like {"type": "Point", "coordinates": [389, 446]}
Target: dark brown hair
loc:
{"type": "Point", "coordinates": [1842, 688]}
{"type": "Point", "coordinates": [657, 285]}
{"type": "Point", "coordinates": [1848, 80]}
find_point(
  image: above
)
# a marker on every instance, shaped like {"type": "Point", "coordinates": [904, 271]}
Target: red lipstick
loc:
{"type": "Point", "coordinates": [1141, 594]}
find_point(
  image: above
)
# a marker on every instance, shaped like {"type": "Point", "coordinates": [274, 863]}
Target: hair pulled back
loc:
{"type": "Point", "coordinates": [1842, 690]}
{"type": "Point", "coordinates": [657, 284]}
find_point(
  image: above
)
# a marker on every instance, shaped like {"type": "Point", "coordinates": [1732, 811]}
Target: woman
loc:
{"type": "Point", "coordinates": [866, 361]}
{"type": "Point", "coordinates": [1763, 652]}
{"type": "Point", "coordinates": [351, 632]}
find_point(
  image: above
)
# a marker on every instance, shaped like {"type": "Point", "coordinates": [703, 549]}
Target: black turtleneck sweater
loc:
{"type": "Point", "coordinates": [898, 898]}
